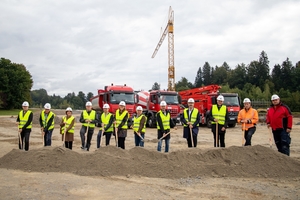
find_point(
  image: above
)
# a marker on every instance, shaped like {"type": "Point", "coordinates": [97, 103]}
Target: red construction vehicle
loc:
{"type": "Point", "coordinates": [150, 102]}
{"type": "Point", "coordinates": [206, 96]}
{"type": "Point", "coordinates": [112, 95]}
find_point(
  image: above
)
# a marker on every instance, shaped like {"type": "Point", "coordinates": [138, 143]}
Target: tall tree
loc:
{"type": "Point", "coordinates": [219, 76]}
{"type": "Point", "coordinates": [89, 96]}
{"type": "Point", "coordinates": [155, 86]}
{"type": "Point", "coordinates": [276, 77]}
{"type": "Point", "coordinates": [237, 77]}
{"type": "Point", "coordinates": [199, 78]}
{"type": "Point", "coordinates": [286, 74]}
{"type": "Point", "coordinates": [183, 84]}
{"type": "Point", "coordinates": [206, 74]}
{"type": "Point", "coordinates": [15, 84]}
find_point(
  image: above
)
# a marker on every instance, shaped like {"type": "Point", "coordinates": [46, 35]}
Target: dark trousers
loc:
{"type": "Point", "coordinates": [24, 136]}
{"type": "Point", "coordinates": [189, 141]}
{"type": "Point", "coordinates": [221, 135]}
{"type": "Point", "coordinates": [100, 137]}
{"type": "Point", "coordinates": [86, 144]}
{"type": "Point", "coordinates": [69, 144]}
{"type": "Point", "coordinates": [248, 135]}
{"type": "Point", "coordinates": [282, 140]}
{"type": "Point", "coordinates": [121, 142]}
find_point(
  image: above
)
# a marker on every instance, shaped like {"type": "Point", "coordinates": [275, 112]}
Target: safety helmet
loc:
{"type": "Point", "coordinates": [163, 103]}
{"type": "Point", "coordinates": [122, 103]}
{"type": "Point", "coordinates": [106, 106]}
{"type": "Point", "coordinates": [191, 100]}
{"type": "Point", "coordinates": [220, 98]}
{"type": "Point", "coordinates": [139, 108]}
{"type": "Point", "coordinates": [88, 103]}
{"type": "Point", "coordinates": [47, 106]}
{"type": "Point", "coordinates": [274, 97]}
{"type": "Point", "coordinates": [25, 103]}
{"type": "Point", "coordinates": [69, 109]}
{"type": "Point", "coordinates": [246, 100]}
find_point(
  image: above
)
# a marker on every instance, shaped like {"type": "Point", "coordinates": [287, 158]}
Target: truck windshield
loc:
{"type": "Point", "coordinates": [115, 98]}
{"type": "Point", "coordinates": [231, 101]}
{"type": "Point", "coordinates": [169, 99]}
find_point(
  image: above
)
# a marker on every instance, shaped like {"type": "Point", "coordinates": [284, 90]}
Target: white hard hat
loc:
{"type": "Point", "coordinates": [25, 103]}
{"type": "Point", "coordinates": [274, 97]}
{"type": "Point", "coordinates": [246, 100]}
{"type": "Point", "coordinates": [139, 108]}
{"type": "Point", "coordinates": [106, 106]}
{"type": "Point", "coordinates": [220, 98]}
{"type": "Point", "coordinates": [88, 103]}
{"type": "Point", "coordinates": [47, 106]}
{"type": "Point", "coordinates": [191, 100]}
{"type": "Point", "coordinates": [69, 109]}
{"type": "Point", "coordinates": [122, 103]}
{"type": "Point", "coordinates": [163, 103]}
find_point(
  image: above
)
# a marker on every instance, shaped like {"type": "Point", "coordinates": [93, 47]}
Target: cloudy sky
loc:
{"type": "Point", "coordinates": [84, 45]}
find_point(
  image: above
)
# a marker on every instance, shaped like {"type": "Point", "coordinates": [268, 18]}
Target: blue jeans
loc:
{"type": "Point", "coordinates": [48, 137]}
{"type": "Point", "coordinates": [138, 140]}
{"type": "Point", "coordinates": [167, 143]}
{"type": "Point", "coordinates": [248, 135]}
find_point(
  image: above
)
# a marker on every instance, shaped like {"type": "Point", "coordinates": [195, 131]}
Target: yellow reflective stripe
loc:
{"type": "Point", "coordinates": [50, 114]}
{"type": "Point", "coordinates": [105, 121]}
{"type": "Point", "coordinates": [136, 123]}
{"type": "Point", "coordinates": [193, 117]}
{"type": "Point", "coordinates": [219, 114]}
{"type": "Point", "coordinates": [91, 116]}
{"type": "Point", "coordinates": [165, 120]}
{"type": "Point", "coordinates": [24, 119]}
{"type": "Point", "coordinates": [119, 118]}
{"type": "Point", "coordinates": [68, 123]}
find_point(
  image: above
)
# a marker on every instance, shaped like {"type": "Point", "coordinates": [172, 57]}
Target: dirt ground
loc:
{"type": "Point", "coordinates": [234, 172]}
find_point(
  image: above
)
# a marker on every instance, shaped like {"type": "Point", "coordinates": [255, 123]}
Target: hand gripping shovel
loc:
{"type": "Point", "coordinates": [217, 135]}
{"type": "Point", "coordinates": [20, 139]}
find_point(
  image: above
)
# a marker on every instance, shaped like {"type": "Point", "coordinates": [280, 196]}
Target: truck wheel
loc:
{"type": "Point", "coordinates": [232, 125]}
{"type": "Point", "coordinates": [208, 123]}
{"type": "Point", "coordinates": [151, 122]}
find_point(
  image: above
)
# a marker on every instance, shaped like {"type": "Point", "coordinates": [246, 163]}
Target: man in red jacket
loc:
{"type": "Point", "coordinates": [280, 119]}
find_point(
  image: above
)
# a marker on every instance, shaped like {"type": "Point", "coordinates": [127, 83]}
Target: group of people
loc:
{"type": "Point", "coordinates": [278, 119]}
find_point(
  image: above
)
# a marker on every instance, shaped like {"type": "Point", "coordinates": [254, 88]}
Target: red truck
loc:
{"type": "Point", "coordinates": [206, 96]}
{"type": "Point", "coordinates": [150, 102]}
{"type": "Point", "coordinates": [112, 95]}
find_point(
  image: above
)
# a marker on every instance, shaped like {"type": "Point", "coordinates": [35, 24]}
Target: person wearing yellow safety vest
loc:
{"type": "Point", "coordinates": [47, 124]}
{"type": "Point", "coordinates": [139, 127]}
{"type": "Point", "coordinates": [164, 124]}
{"type": "Point", "coordinates": [68, 123]}
{"type": "Point", "coordinates": [190, 119]}
{"type": "Point", "coordinates": [121, 126]}
{"type": "Point", "coordinates": [106, 120]}
{"type": "Point", "coordinates": [24, 123]}
{"type": "Point", "coordinates": [219, 114]}
{"type": "Point", "coordinates": [89, 119]}
{"type": "Point", "coordinates": [248, 117]}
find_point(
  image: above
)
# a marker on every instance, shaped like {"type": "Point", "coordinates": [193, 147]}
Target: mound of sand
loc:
{"type": "Point", "coordinates": [254, 161]}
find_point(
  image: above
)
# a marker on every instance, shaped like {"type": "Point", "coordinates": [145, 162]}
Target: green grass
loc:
{"type": "Point", "coordinates": [9, 112]}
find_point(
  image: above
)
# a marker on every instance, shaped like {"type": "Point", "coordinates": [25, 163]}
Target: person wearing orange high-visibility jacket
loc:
{"type": "Point", "coordinates": [68, 122]}
{"type": "Point", "coordinates": [24, 122]}
{"type": "Point", "coordinates": [280, 119]}
{"type": "Point", "coordinates": [248, 117]}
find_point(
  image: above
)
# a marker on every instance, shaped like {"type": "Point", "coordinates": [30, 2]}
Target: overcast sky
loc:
{"type": "Point", "coordinates": [84, 45]}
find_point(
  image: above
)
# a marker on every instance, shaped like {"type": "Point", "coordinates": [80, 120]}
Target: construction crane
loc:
{"type": "Point", "coordinates": [170, 31]}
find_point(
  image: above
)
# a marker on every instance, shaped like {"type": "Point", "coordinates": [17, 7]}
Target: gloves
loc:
{"type": "Point", "coordinates": [249, 121]}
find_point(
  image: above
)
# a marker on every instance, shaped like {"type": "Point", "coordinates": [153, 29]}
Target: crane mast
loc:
{"type": "Point", "coordinates": [169, 30]}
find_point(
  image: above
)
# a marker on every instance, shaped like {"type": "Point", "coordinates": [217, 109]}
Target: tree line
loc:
{"type": "Point", "coordinates": [254, 80]}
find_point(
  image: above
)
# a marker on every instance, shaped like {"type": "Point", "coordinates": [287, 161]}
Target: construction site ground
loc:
{"type": "Point", "coordinates": [234, 172]}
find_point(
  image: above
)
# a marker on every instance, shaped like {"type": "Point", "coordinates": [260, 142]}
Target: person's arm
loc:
{"type": "Point", "coordinates": [28, 122]}
{"type": "Point", "coordinates": [41, 121]}
{"type": "Point", "coordinates": [226, 118]}
{"type": "Point", "coordinates": [142, 123]}
{"type": "Point", "coordinates": [18, 118]}
{"type": "Point", "coordinates": [254, 119]}
{"type": "Point", "coordinates": [182, 119]}
{"type": "Point", "coordinates": [289, 118]}
{"type": "Point", "coordinates": [210, 114]}
{"type": "Point", "coordinates": [239, 119]}
{"type": "Point", "coordinates": [172, 124]}
{"type": "Point", "coordinates": [62, 122]}
{"type": "Point", "coordinates": [111, 120]}
{"type": "Point", "coordinates": [71, 125]}
{"type": "Point", "coordinates": [124, 120]}
{"type": "Point", "coordinates": [160, 124]}
{"type": "Point", "coordinates": [198, 119]}
{"type": "Point", "coordinates": [81, 119]}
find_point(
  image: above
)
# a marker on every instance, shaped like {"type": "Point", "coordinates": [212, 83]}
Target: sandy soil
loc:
{"type": "Point", "coordinates": [234, 172]}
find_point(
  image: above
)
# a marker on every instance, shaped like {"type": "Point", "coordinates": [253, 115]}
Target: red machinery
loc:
{"type": "Point", "coordinates": [206, 96]}
{"type": "Point", "coordinates": [150, 102]}
{"type": "Point", "coordinates": [112, 95]}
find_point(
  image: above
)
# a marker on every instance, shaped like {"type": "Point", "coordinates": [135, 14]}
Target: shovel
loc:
{"type": "Point", "coordinates": [20, 139]}
{"type": "Point", "coordinates": [192, 139]}
{"type": "Point", "coordinates": [244, 130]}
{"type": "Point", "coordinates": [85, 137]}
{"type": "Point", "coordinates": [64, 136]}
{"type": "Point", "coordinates": [116, 135]}
{"type": "Point", "coordinates": [270, 137]}
{"type": "Point", "coordinates": [217, 135]}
